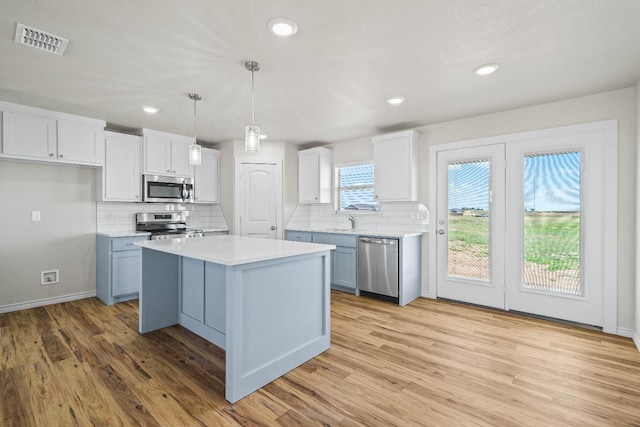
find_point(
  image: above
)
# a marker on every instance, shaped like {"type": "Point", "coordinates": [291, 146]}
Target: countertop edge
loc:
{"type": "Point", "coordinates": [114, 234]}
{"type": "Point", "coordinates": [373, 233]}
{"type": "Point", "coordinates": [303, 249]}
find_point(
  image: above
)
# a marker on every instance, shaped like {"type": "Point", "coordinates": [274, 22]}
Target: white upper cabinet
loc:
{"type": "Point", "coordinates": [80, 142]}
{"type": "Point", "coordinates": [166, 154]}
{"type": "Point", "coordinates": [121, 178]}
{"type": "Point", "coordinates": [35, 134]}
{"type": "Point", "coordinates": [207, 177]}
{"type": "Point", "coordinates": [395, 158]}
{"type": "Point", "coordinates": [314, 175]}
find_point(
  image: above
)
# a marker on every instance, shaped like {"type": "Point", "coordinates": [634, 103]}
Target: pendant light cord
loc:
{"type": "Point", "coordinates": [195, 121]}
{"type": "Point", "coordinates": [252, 98]}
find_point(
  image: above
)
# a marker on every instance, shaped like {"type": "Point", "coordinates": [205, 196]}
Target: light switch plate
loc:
{"type": "Point", "coordinates": [35, 215]}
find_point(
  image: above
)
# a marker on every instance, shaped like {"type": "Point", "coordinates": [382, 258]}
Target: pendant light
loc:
{"type": "Point", "coordinates": [252, 135]}
{"type": "Point", "coordinates": [195, 151]}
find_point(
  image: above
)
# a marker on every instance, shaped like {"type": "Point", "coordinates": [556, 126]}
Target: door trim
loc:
{"type": "Point", "coordinates": [238, 169]}
{"type": "Point", "coordinates": [609, 130]}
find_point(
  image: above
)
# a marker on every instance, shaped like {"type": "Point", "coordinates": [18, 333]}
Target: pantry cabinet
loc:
{"type": "Point", "coordinates": [395, 158]}
{"type": "Point", "coordinates": [166, 154]}
{"type": "Point", "coordinates": [206, 183]}
{"type": "Point", "coordinates": [120, 179]}
{"type": "Point", "coordinates": [314, 175]}
{"type": "Point", "coordinates": [42, 135]}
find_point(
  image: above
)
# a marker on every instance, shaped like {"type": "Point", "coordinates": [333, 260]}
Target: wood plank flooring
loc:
{"type": "Point", "coordinates": [431, 363]}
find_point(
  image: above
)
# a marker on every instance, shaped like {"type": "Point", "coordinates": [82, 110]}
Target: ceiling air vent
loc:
{"type": "Point", "coordinates": [40, 39]}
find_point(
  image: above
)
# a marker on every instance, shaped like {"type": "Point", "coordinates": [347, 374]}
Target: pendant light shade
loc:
{"type": "Point", "coordinates": [252, 139]}
{"type": "Point", "coordinates": [195, 151]}
{"type": "Point", "coordinates": [252, 133]}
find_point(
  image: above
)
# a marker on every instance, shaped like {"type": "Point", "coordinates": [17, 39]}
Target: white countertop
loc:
{"type": "Point", "coordinates": [123, 233]}
{"type": "Point", "coordinates": [357, 232]}
{"type": "Point", "coordinates": [234, 250]}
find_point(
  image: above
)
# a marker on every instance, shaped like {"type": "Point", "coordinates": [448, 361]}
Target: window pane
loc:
{"type": "Point", "coordinates": [552, 223]}
{"type": "Point", "coordinates": [355, 187]}
{"type": "Point", "coordinates": [468, 202]}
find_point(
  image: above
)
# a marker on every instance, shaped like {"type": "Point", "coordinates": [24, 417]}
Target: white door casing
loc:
{"type": "Point", "coordinates": [258, 199]}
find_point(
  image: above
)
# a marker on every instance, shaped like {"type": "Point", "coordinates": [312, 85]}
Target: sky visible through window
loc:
{"type": "Point", "coordinates": [552, 183]}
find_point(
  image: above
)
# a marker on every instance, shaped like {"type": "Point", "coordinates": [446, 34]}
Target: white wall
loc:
{"type": "Point", "coordinates": [636, 329]}
{"type": "Point", "coordinates": [63, 239]}
{"type": "Point", "coordinates": [618, 104]}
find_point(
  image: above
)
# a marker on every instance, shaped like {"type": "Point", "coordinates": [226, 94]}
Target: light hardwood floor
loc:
{"type": "Point", "coordinates": [436, 363]}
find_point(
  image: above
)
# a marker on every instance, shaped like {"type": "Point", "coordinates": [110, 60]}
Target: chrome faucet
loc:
{"type": "Point", "coordinates": [353, 222]}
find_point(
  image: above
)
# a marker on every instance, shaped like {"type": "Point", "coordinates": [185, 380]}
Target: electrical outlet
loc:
{"type": "Point", "coordinates": [35, 215]}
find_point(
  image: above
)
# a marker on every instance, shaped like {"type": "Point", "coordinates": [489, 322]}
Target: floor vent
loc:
{"type": "Point", "coordinates": [40, 40]}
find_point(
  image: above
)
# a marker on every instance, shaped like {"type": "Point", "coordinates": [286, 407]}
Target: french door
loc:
{"type": "Point", "coordinates": [555, 223]}
{"type": "Point", "coordinates": [470, 225]}
{"type": "Point", "coordinates": [520, 225]}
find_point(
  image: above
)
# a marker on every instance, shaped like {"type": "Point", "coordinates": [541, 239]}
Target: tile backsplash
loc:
{"type": "Point", "coordinates": [396, 216]}
{"type": "Point", "coordinates": [117, 217]}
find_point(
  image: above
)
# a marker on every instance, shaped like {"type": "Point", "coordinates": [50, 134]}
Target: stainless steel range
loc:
{"type": "Point", "coordinates": [166, 225]}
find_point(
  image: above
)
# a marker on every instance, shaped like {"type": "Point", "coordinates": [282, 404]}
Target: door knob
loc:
{"type": "Point", "coordinates": [273, 227]}
{"type": "Point", "coordinates": [441, 231]}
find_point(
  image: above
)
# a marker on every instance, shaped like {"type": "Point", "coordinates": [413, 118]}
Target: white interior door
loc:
{"type": "Point", "coordinates": [258, 196]}
{"type": "Point", "coordinates": [470, 225]}
{"type": "Point", "coordinates": [555, 222]}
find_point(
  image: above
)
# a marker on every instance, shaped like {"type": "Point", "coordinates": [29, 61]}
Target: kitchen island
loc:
{"type": "Point", "coordinates": [266, 302]}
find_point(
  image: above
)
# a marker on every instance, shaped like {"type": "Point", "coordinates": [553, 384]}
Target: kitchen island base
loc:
{"type": "Point", "coordinates": [269, 316]}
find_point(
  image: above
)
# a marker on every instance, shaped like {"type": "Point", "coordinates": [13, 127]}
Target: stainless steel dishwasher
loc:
{"type": "Point", "coordinates": [378, 267]}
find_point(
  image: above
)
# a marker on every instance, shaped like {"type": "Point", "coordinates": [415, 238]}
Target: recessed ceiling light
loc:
{"type": "Point", "coordinates": [485, 69]}
{"type": "Point", "coordinates": [284, 27]}
{"type": "Point", "coordinates": [263, 136]}
{"type": "Point", "coordinates": [150, 109]}
{"type": "Point", "coordinates": [396, 100]}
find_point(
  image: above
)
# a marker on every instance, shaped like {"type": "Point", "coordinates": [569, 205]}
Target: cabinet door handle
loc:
{"type": "Point", "coordinates": [61, 155]}
{"type": "Point", "coordinates": [168, 170]}
{"type": "Point", "coordinates": [51, 154]}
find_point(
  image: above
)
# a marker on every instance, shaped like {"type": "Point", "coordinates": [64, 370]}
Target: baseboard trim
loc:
{"type": "Point", "coordinates": [46, 301]}
{"type": "Point", "coordinates": [636, 340]}
{"type": "Point", "coordinates": [428, 295]}
{"type": "Point", "coordinates": [624, 332]}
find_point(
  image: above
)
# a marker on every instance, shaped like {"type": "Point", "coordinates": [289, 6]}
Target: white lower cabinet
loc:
{"type": "Point", "coordinates": [118, 268]}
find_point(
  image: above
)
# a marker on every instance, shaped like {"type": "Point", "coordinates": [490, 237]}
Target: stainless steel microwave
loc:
{"type": "Point", "coordinates": [167, 189]}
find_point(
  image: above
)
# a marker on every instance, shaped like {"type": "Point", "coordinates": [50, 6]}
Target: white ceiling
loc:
{"type": "Point", "coordinates": [329, 82]}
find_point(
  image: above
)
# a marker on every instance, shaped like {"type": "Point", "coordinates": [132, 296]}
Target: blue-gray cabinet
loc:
{"type": "Point", "coordinates": [299, 236]}
{"type": "Point", "coordinates": [118, 268]}
{"type": "Point", "coordinates": [344, 259]}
